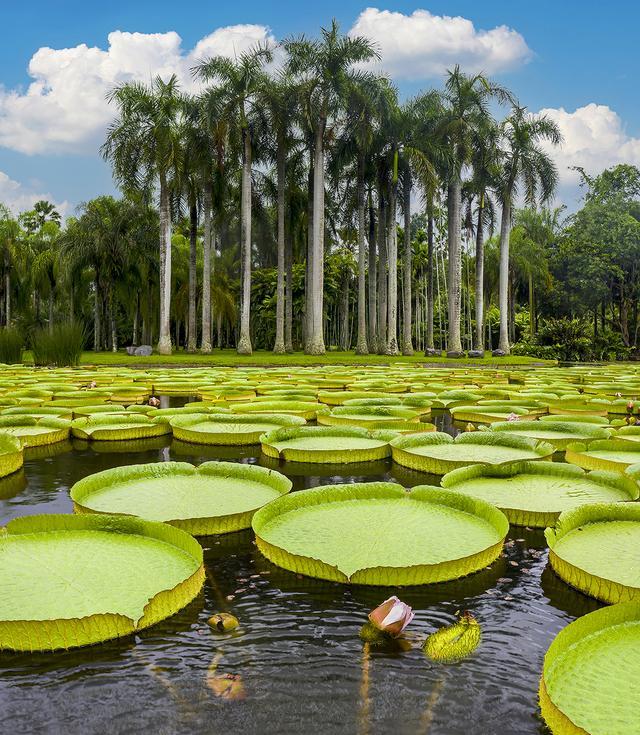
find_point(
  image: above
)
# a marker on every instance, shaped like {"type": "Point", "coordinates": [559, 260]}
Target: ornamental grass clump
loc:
{"type": "Point", "coordinates": [61, 345]}
{"type": "Point", "coordinates": [11, 345]}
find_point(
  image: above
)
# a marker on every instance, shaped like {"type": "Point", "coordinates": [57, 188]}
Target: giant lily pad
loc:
{"type": "Point", "coordinates": [380, 534]}
{"type": "Point", "coordinates": [596, 549]}
{"type": "Point", "coordinates": [35, 432]}
{"type": "Point", "coordinates": [604, 454]}
{"type": "Point", "coordinates": [216, 497]}
{"type": "Point", "coordinates": [119, 427]}
{"type": "Point", "coordinates": [304, 409]}
{"type": "Point", "coordinates": [329, 444]}
{"type": "Point", "coordinates": [377, 417]}
{"type": "Point", "coordinates": [487, 414]}
{"type": "Point", "coordinates": [589, 675]}
{"type": "Point", "coordinates": [437, 453]}
{"type": "Point", "coordinates": [535, 493]}
{"type": "Point", "coordinates": [70, 581]}
{"type": "Point", "coordinates": [558, 433]}
{"type": "Point", "coordinates": [11, 456]}
{"type": "Point", "coordinates": [236, 430]}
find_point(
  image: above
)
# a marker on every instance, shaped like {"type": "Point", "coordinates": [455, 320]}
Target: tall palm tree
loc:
{"type": "Point", "coordinates": [326, 71]}
{"type": "Point", "coordinates": [144, 145]}
{"type": "Point", "coordinates": [9, 238]}
{"type": "Point", "coordinates": [529, 169]}
{"type": "Point", "coordinates": [466, 103]}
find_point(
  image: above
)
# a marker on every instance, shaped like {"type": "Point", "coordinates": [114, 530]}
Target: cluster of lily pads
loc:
{"type": "Point", "coordinates": [548, 448]}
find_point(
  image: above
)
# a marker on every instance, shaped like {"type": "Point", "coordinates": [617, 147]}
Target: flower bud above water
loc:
{"type": "Point", "coordinates": [392, 616]}
{"type": "Point", "coordinates": [454, 642]}
{"type": "Point", "coordinates": [223, 622]}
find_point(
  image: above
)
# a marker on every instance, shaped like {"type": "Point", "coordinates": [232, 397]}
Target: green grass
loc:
{"type": "Point", "coordinates": [229, 358]}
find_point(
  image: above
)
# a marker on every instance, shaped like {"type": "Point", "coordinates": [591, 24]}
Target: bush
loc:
{"type": "Point", "coordinates": [62, 346]}
{"type": "Point", "coordinates": [531, 349]}
{"type": "Point", "coordinates": [567, 336]}
{"type": "Point", "coordinates": [11, 345]}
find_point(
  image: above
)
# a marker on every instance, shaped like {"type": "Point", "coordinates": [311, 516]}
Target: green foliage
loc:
{"type": "Point", "coordinates": [11, 345]}
{"type": "Point", "coordinates": [61, 345]}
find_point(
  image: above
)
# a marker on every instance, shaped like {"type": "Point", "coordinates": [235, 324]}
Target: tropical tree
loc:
{"type": "Point", "coordinates": [9, 247]}
{"type": "Point", "coordinates": [145, 147]}
{"type": "Point", "coordinates": [240, 81]}
{"type": "Point", "coordinates": [527, 169]}
{"type": "Point", "coordinates": [327, 70]}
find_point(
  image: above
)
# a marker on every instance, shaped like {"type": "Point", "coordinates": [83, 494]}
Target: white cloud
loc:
{"type": "Point", "coordinates": [422, 45]}
{"type": "Point", "coordinates": [594, 139]}
{"type": "Point", "coordinates": [65, 110]}
{"type": "Point", "coordinates": [18, 197]}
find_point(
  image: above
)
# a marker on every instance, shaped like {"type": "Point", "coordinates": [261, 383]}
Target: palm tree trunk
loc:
{"type": "Point", "coordinates": [479, 336]}
{"type": "Point", "coordinates": [112, 321]}
{"type": "Point", "coordinates": [7, 298]}
{"type": "Point", "coordinates": [455, 267]}
{"type": "Point", "coordinates": [382, 272]}
{"type": "Point", "coordinates": [345, 337]}
{"type": "Point", "coordinates": [164, 341]}
{"type": "Point", "coordinates": [244, 343]}
{"type": "Point", "coordinates": [429, 347]}
{"type": "Point", "coordinates": [315, 338]}
{"type": "Point", "coordinates": [50, 309]}
{"type": "Point", "coordinates": [361, 344]}
{"type": "Point", "coordinates": [308, 285]}
{"type": "Point", "coordinates": [136, 321]}
{"type": "Point", "coordinates": [407, 316]}
{"type": "Point", "coordinates": [532, 318]}
{"type": "Point", "coordinates": [279, 346]}
{"type": "Point", "coordinates": [192, 341]}
{"type": "Point", "coordinates": [288, 295]}
{"type": "Point", "coordinates": [391, 347]}
{"type": "Point", "coordinates": [96, 317]}
{"type": "Point", "coordinates": [503, 291]}
{"type": "Point", "coordinates": [373, 285]}
{"type": "Point", "coordinates": [205, 344]}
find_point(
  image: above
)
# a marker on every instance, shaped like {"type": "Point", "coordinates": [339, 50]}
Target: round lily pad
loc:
{"type": "Point", "coordinates": [604, 454]}
{"type": "Point", "coordinates": [437, 453]}
{"type": "Point", "coordinates": [589, 674]}
{"type": "Point", "coordinates": [120, 427]}
{"type": "Point", "coordinates": [488, 414]}
{"type": "Point", "coordinates": [596, 549]}
{"type": "Point", "coordinates": [535, 493]}
{"type": "Point", "coordinates": [558, 433]}
{"type": "Point", "coordinates": [329, 444]}
{"type": "Point", "coordinates": [69, 581]}
{"type": "Point", "coordinates": [35, 432]}
{"type": "Point", "coordinates": [380, 534]}
{"type": "Point", "coordinates": [11, 455]}
{"type": "Point", "coordinates": [236, 429]}
{"type": "Point", "coordinates": [374, 417]}
{"type": "Point", "coordinates": [306, 409]}
{"type": "Point", "coordinates": [216, 497]}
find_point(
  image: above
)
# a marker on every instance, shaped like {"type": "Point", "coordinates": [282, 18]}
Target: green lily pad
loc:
{"type": "Point", "coordinates": [35, 432]}
{"type": "Point", "coordinates": [558, 433]}
{"type": "Point", "coordinates": [216, 497]}
{"type": "Point", "coordinates": [589, 674]}
{"type": "Point", "coordinates": [596, 549]}
{"type": "Point", "coordinates": [70, 581]}
{"type": "Point", "coordinates": [380, 534]}
{"type": "Point", "coordinates": [535, 493]}
{"type": "Point", "coordinates": [11, 455]}
{"type": "Point", "coordinates": [603, 454]}
{"type": "Point", "coordinates": [118, 427]}
{"type": "Point", "coordinates": [437, 453]}
{"type": "Point", "coordinates": [327, 444]}
{"type": "Point", "coordinates": [223, 429]}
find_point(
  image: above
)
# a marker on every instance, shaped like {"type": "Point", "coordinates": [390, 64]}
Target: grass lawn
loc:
{"type": "Point", "coordinates": [229, 358]}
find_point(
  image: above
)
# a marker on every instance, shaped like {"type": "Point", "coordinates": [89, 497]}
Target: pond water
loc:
{"type": "Point", "coordinates": [299, 662]}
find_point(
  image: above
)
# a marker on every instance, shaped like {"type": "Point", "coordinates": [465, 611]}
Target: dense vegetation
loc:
{"type": "Point", "coordinates": [300, 204]}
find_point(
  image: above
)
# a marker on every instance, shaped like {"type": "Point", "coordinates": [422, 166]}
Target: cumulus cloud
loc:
{"type": "Point", "coordinates": [64, 108]}
{"type": "Point", "coordinates": [594, 139]}
{"type": "Point", "coordinates": [18, 197]}
{"type": "Point", "coordinates": [423, 45]}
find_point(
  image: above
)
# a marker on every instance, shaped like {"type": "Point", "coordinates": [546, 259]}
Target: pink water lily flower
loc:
{"type": "Point", "coordinates": [392, 616]}
{"type": "Point", "coordinates": [513, 417]}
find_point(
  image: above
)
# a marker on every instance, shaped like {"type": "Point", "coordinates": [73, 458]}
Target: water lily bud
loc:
{"type": "Point", "coordinates": [392, 616]}
{"type": "Point", "coordinates": [470, 427]}
{"type": "Point", "coordinates": [153, 401]}
{"type": "Point", "coordinates": [630, 406]}
{"type": "Point", "coordinates": [223, 622]}
{"type": "Point", "coordinates": [513, 417]}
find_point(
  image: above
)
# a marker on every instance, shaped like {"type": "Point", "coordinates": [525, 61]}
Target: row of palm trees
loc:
{"type": "Point", "coordinates": [341, 156]}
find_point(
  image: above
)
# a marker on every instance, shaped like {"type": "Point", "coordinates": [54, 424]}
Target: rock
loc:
{"type": "Point", "coordinates": [475, 353]}
{"type": "Point", "coordinates": [131, 350]}
{"type": "Point", "coordinates": [143, 351]}
{"type": "Point", "coordinates": [499, 353]}
{"type": "Point", "coordinates": [431, 352]}
{"type": "Point", "coordinates": [455, 354]}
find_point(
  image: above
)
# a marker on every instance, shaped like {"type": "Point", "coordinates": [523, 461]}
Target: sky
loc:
{"type": "Point", "coordinates": [574, 60]}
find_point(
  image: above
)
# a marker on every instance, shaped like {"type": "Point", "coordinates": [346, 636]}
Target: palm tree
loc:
{"type": "Point", "coordinates": [326, 71]}
{"type": "Point", "coordinates": [240, 81]}
{"type": "Point", "coordinates": [466, 101]}
{"type": "Point", "coordinates": [525, 163]}
{"type": "Point", "coordinates": [144, 145]}
{"type": "Point", "coordinates": [9, 237]}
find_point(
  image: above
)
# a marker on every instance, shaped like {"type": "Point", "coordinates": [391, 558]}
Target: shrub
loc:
{"type": "Point", "coordinates": [62, 346]}
{"type": "Point", "coordinates": [11, 345]}
{"type": "Point", "coordinates": [531, 349]}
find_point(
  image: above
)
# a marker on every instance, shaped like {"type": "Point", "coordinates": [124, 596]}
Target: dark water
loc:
{"type": "Point", "coordinates": [299, 659]}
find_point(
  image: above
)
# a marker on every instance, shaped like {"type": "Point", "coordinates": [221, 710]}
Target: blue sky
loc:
{"type": "Point", "coordinates": [579, 57]}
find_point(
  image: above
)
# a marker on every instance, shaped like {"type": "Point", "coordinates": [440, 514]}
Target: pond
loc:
{"type": "Point", "coordinates": [297, 657]}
